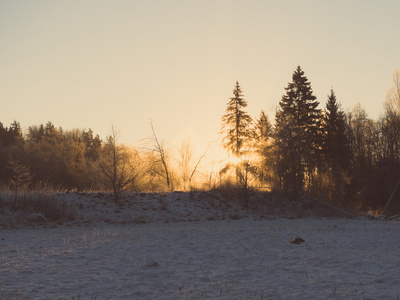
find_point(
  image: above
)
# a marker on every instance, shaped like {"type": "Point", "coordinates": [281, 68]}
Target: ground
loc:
{"type": "Point", "coordinates": [182, 246]}
{"type": "Point", "coordinates": [86, 208]}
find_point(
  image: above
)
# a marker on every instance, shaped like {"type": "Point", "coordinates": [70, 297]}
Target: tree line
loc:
{"type": "Point", "coordinates": [345, 158]}
{"type": "Point", "coordinates": [50, 158]}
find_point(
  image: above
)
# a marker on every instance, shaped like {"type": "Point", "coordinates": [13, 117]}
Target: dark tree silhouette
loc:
{"type": "Point", "coordinates": [335, 140]}
{"type": "Point", "coordinates": [10, 142]}
{"type": "Point", "coordinates": [335, 148]}
{"type": "Point", "coordinates": [297, 134]}
{"type": "Point", "coordinates": [10, 136]}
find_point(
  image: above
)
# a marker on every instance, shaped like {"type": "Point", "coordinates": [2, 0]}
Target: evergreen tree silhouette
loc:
{"type": "Point", "coordinates": [236, 123]}
{"type": "Point", "coordinates": [335, 148]}
{"type": "Point", "coordinates": [298, 134]}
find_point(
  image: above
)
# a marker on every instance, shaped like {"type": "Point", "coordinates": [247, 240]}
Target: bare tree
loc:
{"type": "Point", "coordinates": [185, 159]}
{"type": "Point", "coordinates": [362, 139]}
{"type": "Point", "coordinates": [391, 120]}
{"type": "Point", "coordinates": [392, 102]}
{"type": "Point", "coordinates": [157, 148]}
{"type": "Point", "coordinates": [194, 170]}
{"type": "Point", "coordinates": [118, 166]}
{"type": "Point", "coordinates": [187, 169]}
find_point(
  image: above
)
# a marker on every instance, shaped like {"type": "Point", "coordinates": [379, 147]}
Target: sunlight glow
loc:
{"type": "Point", "coordinates": [235, 160]}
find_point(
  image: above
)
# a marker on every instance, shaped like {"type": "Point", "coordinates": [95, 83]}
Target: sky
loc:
{"type": "Point", "coordinates": [98, 64]}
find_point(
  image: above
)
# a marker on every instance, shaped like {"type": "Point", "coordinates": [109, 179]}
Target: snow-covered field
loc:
{"type": "Point", "coordinates": [217, 259]}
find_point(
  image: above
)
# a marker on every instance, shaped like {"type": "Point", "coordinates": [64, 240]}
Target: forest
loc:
{"type": "Point", "coordinates": [311, 148]}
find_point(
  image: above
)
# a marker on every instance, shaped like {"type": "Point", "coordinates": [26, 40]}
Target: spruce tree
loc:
{"type": "Point", "coordinates": [236, 124]}
{"type": "Point", "coordinates": [263, 128]}
{"type": "Point", "coordinates": [236, 127]}
{"type": "Point", "coordinates": [335, 148]}
{"type": "Point", "coordinates": [263, 146]}
{"type": "Point", "coordinates": [297, 134]}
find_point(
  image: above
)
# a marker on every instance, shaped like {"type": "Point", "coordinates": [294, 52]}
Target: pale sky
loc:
{"type": "Point", "coordinates": [93, 64]}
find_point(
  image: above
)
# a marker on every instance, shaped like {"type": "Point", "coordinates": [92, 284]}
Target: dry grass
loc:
{"type": "Point", "coordinates": [39, 207]}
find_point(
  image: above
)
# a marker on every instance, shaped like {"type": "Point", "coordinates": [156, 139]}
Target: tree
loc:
{"type": "Point", "coordinates": [92, 145]}
{"type": "Point", "coordinates": [36, 133]}
{"type": "Point", "coordinates": [160, 165]}
{"type": "Point", "coordinates": [11, 140]}
{"type": "Point", "coordinates": [236, 126]}
{"type": "Point", "coordinates": [393, 94]}
{"type": "Point", "coordinates": [391, 121]}
{"type": "Point", "coordinates": [263, 146]}
{"type": "Point", "coordinates": [10, 136]}
{"type": "Point", "coordinates": [335, 147]}
{"type": "Point", "coordinates": [236, 123]}
{"type": "Point", "coordinates": [187, 167]}
{"type": "Point", "coordinates": [297, 134]}
{"type": "Point", "coordinates": [184, 161]}
{"type": "Point", "coordinates": [390, 138]}
{"type": "Point", "coordinates": [263, 128]}
{"type": "Point", "coordinates": [56, 156]}
{"type": "Point", "coordinates": [364, 141]}
{"type": "Point", "coordinates": [21, 177]}
{"type": "Point", "coordinates": [116, 167]}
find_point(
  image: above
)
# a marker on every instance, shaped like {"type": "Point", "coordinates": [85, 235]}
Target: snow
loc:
{"type": "Point", "coordinates": [242, 259]}
{"type": "Point", "coordinates": [87, 208]}
{"type": "Point", "coordinates": [185, 249]}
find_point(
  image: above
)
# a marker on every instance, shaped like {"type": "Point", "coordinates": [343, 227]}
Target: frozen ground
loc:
{"type": "Point", "coordinates": [192, 246]}
{"type": "Point", "coordinates": [231, 259]}
{"type": "Point", "coordinates": [90, 208]}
